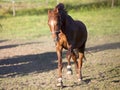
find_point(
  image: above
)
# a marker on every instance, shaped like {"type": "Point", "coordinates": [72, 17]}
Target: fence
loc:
{"type": "Point", "coordinates": [7, 6]}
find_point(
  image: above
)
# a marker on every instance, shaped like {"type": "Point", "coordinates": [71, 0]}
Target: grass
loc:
{"type": "Point", "coordinates": [104, 21]}
{"type": "Point", "coordinates": [24, 27]}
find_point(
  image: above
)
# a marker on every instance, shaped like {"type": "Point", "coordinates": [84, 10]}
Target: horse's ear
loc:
{"type": "Point", "coordinates": [49, 12]}
{"type": "Point", "coordinates": [56, 10]}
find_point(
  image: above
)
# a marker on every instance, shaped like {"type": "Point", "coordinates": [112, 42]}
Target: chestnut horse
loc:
{"type": "Point", "coordinates": [70, 35]}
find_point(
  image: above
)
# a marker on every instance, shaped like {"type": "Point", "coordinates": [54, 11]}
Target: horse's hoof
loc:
{"type": "Point", "coordinates": [81, 82]}
{"type": "Point", "coordinates": [60, 84]}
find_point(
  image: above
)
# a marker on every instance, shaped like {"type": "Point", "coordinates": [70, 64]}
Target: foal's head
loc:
{"type": "Point", "coordinates": [54, 23]}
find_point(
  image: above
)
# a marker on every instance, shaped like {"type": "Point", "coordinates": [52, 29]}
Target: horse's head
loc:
{"type": "Point", "coordinates": [54, 23]}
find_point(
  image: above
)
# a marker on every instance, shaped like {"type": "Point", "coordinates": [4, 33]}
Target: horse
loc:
{"type": "Point", "coordinates": [68, 34]}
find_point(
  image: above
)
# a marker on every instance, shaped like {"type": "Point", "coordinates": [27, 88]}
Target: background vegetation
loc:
{"type": "Point", "coordinates": [30, 20]}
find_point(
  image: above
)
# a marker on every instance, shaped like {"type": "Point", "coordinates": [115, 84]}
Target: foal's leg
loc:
{"type": "Point", "coordinates": [69, 70]}
{"type": "Point", "coordinates": [81, 55]}
{"type": "Point", "coordinates": [75, 61]}
{"type": "Point", "coordinates": [59, 55]}
{"type": "Point", "coordinates": [68, 56]}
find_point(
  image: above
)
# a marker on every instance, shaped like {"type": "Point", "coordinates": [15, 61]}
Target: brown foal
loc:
{"type": "Point", "coordinates": [70, 35]}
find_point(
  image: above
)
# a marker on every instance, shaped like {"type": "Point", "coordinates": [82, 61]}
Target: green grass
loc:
{"type": "Point", "coordinates": [24, 27]}
{"type": "Point", "coordinates": [104, 21]}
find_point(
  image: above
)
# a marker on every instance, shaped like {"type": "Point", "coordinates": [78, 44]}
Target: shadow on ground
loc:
{"type": "Point", "coordinates": [15, 45]}
{"type": "Point", "coordinates": [26, 64]}
{"type": "Point", "coordinates": [103, 47]}
{"type": "Point", "coordinates": [23, 65]}
{"type": "Point", "coordinates": [3, 40]}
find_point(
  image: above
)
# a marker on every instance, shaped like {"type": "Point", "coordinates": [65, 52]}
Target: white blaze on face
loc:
{"type": "Point", "coordinates": [52, 23]}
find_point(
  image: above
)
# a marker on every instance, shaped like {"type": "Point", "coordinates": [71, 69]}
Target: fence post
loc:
{"type": "Point", "coordinates": [13, 7]}
{"type": "Point", "coordinates": [112, 3]}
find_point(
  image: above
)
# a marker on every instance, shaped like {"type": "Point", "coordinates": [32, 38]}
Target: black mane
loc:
{"type": "Point", "coordinates": [61, 7]}
{"type": "Point", "coordinates": [62, 12]}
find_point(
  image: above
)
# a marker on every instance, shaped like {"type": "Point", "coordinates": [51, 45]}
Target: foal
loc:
{"type": "Point", "coordinates": [70, 35]}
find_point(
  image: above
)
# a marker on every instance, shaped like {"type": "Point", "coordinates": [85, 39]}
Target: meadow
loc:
{"type": "Point", "coordinates": [32, 23]}
{"type": "Point", "coordinates": [27, 53]}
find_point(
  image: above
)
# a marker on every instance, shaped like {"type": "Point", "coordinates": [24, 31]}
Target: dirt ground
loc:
{"type": "Point", "coordinates": [32, 65]}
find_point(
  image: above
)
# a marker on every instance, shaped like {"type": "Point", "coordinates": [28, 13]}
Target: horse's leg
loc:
{"type": "Point", "coordinates": [81, 55]}
{"type": "Point", "coordinates": [68, 56]}
{"type": "Point", "coordinates": [69, 70]}
{"type": "Point", "coordinates": [75, 61]}
{"type": "Point", "coordinates": [59, 55]}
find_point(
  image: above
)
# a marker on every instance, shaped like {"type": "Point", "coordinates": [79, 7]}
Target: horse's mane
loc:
{"type": "Point", "coordinates": [61, 8]}
{"type": "Point", "coordinates": [64, 15]}
{"type": "Point", "coordinates": [62, 12]}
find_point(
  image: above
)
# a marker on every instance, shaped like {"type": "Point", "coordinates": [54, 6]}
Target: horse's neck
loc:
{"type": "Point", "coordinates": [67, 24]}
{"type": "Point", "coordinates": [67, 29]}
